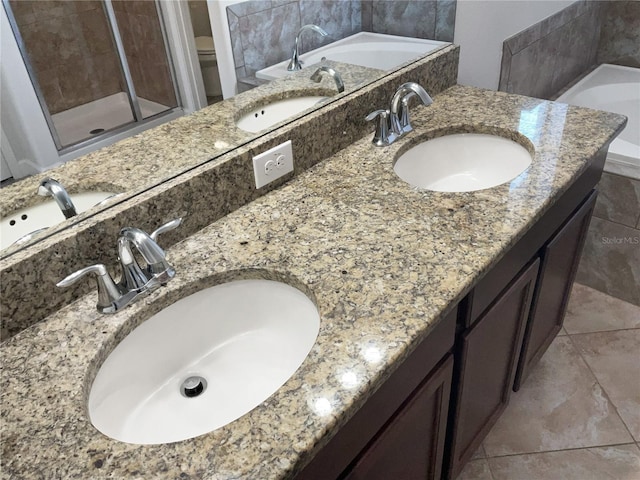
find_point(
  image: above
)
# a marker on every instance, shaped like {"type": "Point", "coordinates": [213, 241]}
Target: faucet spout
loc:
{"type": "Point", "coordinates": [52, 188]}
{"type": "Point", "coordinates": [317, 77]}
{"type": "Point", "coordinates": [295, 63]}
{"type": "Point", "coordinates": [399, 110]}
{"type": "Point", "coordinates": [157, 266]}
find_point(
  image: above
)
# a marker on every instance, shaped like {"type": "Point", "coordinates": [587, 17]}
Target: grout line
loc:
{"type": "Point", "coordinates": [565, 450]}
{"type": "Point", "coordinates": [605, 393]}
{"type": "Point", "coordinates": [600, 331]}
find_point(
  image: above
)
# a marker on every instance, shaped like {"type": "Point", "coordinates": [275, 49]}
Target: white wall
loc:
{"type": "Point", "coordinates": [482, 26]}
{"type": "Point", "coordinates": [222, 42]}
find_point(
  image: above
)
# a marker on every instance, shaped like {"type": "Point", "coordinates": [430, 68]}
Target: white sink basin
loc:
{"type": "Point", "coordinates": [265, 116]}
{"type": "Point", "coordinates": [45, 215]}
{"type": "Point", "coordinates": [462, 162]}
{"type": "Point", "coordinates": [244, 338]}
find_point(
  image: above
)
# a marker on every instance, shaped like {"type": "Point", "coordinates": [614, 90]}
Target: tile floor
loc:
{"type": "Point", "coordinates": [577, 417]}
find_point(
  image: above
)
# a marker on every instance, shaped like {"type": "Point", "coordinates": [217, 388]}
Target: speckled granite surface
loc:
{"type": "Point", "coordinates": [201, 195]}
{"type": "Point", "coordinates": [139, 162]}
{"type": "Point", "coordinates": [384, 262]}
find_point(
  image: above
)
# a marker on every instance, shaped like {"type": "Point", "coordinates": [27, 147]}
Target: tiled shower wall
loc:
{"type": "Point", "coordinates": [141, 34]}
{"type": "Point", "coordinates": [70, 49]}
{"type": "Point", "coordinates": [263, 32]}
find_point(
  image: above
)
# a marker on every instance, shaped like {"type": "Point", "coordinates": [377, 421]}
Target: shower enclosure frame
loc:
{"type": "Point", "coordinates": [124, 68]}
{"type": "Point", "coordinates": [28, 147]}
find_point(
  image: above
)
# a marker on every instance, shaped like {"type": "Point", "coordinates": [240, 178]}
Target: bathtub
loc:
{"type": "Point", "coordinates": [373, 50]}
{"type": "Point", "coordinates": [615, 89]}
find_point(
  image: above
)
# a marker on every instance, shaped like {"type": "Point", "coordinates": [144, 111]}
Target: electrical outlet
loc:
{"type": "Point", "coordinates": [273, 164]}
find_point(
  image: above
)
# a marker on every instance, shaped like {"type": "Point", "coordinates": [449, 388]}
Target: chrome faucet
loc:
{"type": "Point", "coordinates": [399, 111]}
{"type": "Point", "coordinates": [295, 63]}
{"type": "Point", "coordinates": [394, 123]}
{"type": "Point", "coordinates": [50, 187]}
{"type": "Point", "coordinates": [135, 281]}
{"type": "Point", "coordinates": [317, 77]}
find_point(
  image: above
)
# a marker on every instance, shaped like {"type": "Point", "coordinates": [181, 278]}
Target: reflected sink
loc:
{"type": "Point", "coordinates": [462, 162]}
{"type": "Point", "coordinates": [30, 220]}
{"type": "Point", "coordinates": [265, 116]}
{"type": "Point", "coordinates": [203, 362]}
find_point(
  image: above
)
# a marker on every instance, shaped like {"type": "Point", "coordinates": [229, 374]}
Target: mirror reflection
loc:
{"type": "Point", "coordinates": [105, 70]}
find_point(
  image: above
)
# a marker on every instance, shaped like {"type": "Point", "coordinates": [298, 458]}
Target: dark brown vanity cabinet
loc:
{"type": "Point", "coordinates": [411, 445]}
{"type": "Point", "coordinates": [560, 258]}
{"type": "Point", "coordinates": [501, 328]}
{"type": "Point", "coordinates": [488, 356]}
{"type": "Point", "coordinates": [399, 433]}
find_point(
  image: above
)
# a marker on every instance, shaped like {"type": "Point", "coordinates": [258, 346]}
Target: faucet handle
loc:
{"type": "Point", "coordinates": [381, 135]}
{"type": "Point", "coordinates": [108, 292]}
{"type": "Point", "coordinates": [173, 224]}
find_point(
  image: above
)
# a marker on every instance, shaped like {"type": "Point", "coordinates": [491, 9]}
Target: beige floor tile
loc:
{"type": "Point", "coordinates": [620, 462]}
{"type": "Point", "coordinates": [479, 453]}
{"type": "Point", "coordinates": [614, 358]}
{"type": "Point", "coordinates": [562, 332]}
{"type": "Point", "coordinates": [476, 470]}
{"type": "Point", "coordinates": [592, 311]}
{"type": "Point", "coordinates": [560, 406]}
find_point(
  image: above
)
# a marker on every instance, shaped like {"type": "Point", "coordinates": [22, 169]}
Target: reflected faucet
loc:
{"type": "Point", "coordinates": [50, 187]}
{"type": "Point", "coordinates": [317, 77]}
{"type": "Point", "coordinates": [295, 63]}
{"type": "Point", "coordinates": [135, 281]}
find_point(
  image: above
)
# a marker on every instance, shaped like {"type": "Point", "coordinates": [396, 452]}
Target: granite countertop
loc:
{"type": "Point", "coordinates": [383, 261]}
{"type": "Point", "coordinates": [149, 159]}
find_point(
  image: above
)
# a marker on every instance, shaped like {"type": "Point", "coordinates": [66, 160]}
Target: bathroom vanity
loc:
{"type": "Point", "coordinates": [431, 304]}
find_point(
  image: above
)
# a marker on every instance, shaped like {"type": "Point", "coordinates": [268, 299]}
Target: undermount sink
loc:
{"type": "Point", "coordinates": [14, 227]}
{"type": "Point", "coordinates": [269, 114]}
{"type": "Point", "coordinates": [462, 162]}
{"type": "Point", "coordinates": [203, 362]}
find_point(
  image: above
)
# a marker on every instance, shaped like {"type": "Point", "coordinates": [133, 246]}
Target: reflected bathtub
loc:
{"type": "Point", "coordinates": [373, 50]}
{"type": "Point", "coordinates": [614, 89]}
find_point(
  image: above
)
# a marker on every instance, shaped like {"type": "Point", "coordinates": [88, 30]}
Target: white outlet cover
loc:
{"type": "Point", "coordinates": [281, 158]}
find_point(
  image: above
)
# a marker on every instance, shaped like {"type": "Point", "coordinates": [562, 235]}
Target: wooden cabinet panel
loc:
{"type": "Point", "coordinates": [560, 260]}
{"type": "Point", "coordinates": [488, 356]}
{"type": "Point", "coordinates": [411, 445]}
{"type": "Point", "coordinates": [362, 430]}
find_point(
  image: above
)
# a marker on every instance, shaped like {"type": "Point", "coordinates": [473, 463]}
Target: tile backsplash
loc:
{"type": "Point", "coordinates": [262, 32]}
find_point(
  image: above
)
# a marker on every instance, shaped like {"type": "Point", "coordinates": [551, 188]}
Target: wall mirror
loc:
{"type": "Point", "coordinates": [146, 81]}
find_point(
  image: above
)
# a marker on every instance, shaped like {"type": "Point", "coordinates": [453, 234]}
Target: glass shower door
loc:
{"type": "Point", "coordinates": [76, 53]}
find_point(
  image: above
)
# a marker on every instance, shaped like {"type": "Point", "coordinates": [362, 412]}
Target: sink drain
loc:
{"type": "Point", "coordinates": [193, 387]}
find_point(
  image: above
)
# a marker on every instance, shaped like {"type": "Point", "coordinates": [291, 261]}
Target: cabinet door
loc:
{"type": "Point", "coordinates": [560, 260]}
{"type": "Point", "coordinates": [411, 444]}
{"type": "Point", "coordinates": [488, 357]}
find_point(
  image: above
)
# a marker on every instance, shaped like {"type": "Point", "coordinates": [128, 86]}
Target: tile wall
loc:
{"type": "Point", "coordinates": [611, 258]}
{"type": "Point", "coordinates": [263, 31]}
{"type": "Point", "coordinates": [542, 59]}
{"type": "Point", "coordinates": [620, 33]}
{"type": "Point", "coordinates": [144, 47]}
{"type": "Point", "coordinates": [75, 60]}
{"type": "Point", "coordinates": [70, 49]}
